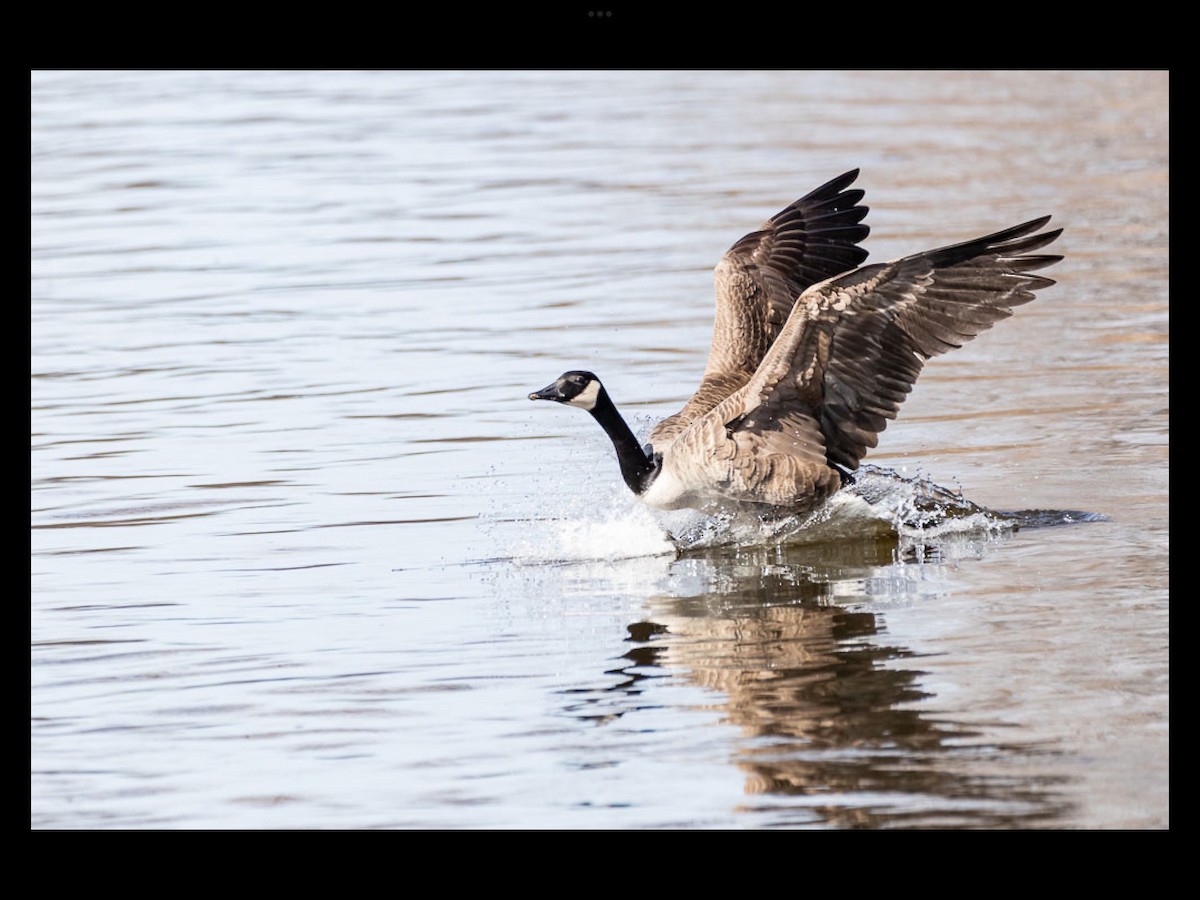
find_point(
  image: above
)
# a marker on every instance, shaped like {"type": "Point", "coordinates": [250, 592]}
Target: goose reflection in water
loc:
{"type": "Point", "coordinates": [836, 725]}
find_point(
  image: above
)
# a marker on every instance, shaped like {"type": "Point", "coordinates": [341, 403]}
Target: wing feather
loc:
{"type": "Point", "coordinates": [757, 283]}
{"type": "Point", "coordinates": [855, 344]}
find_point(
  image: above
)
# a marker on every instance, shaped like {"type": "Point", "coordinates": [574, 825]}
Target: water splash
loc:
{"type": "Point", "coordinates": [624, 533]}
{"type": "Point", "coordinates": [596, 525]}
{"type": "Point", "coordinates": [921, 516]}
{"type": "Point", "coordinates": [918, 518]}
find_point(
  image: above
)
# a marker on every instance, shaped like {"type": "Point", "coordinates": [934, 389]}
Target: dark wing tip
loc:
{"type": "Point", "coordinates": [1009, 244]}
{"type": "Point", "coordinates": [835, 185]}
{"type": "Point", "coordinates": [1030, 263]}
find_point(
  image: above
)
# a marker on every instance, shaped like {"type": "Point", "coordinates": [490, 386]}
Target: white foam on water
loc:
{"type": "Point", "coordinates": [606, 523]}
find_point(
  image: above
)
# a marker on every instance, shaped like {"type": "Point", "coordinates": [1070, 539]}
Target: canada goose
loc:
{"type": "Point", "coordinates": [811, 356]}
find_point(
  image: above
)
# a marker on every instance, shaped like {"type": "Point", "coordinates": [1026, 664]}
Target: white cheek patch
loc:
{"type": "Point", "coordinates": [586, 399]}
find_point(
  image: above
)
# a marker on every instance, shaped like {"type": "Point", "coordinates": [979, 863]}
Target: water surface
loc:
{"type": "Point", "coordinates": [304, 555]}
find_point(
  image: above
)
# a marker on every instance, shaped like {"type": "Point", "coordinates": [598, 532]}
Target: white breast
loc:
{"type": "Point", "coordinates": [667, 491]}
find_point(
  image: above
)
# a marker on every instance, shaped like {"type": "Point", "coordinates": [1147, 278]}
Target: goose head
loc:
{"type": "Point", "coordinates": [580, 389]}
{"type": "Point", "coordinates": [639, 467]}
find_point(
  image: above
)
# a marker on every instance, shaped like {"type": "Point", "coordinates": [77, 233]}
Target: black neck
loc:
{"type": "Point", "coordinates": [637, 468]}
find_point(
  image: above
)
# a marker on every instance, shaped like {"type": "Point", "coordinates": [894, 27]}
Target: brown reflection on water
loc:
{"type": "Point", "coordinates": [836, 728]}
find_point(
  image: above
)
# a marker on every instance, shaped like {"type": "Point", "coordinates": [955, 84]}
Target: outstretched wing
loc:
{"type": "Point", "coordinates": [758, 280]}
{"type": "Point", "coordinates": [854, 345]}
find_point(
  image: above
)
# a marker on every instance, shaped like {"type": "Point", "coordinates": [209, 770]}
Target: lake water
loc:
{"type": "Point", "coordinates": [305, 556]}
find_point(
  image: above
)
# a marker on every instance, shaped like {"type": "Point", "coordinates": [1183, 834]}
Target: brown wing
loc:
{"type": "Point", "coordinates": [854, 345]}
{"type": "Point", "coordinates": [758, 281]}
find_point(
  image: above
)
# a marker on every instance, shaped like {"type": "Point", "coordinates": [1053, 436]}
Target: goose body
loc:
{"type": "Point", "coordinates": [811, 355]}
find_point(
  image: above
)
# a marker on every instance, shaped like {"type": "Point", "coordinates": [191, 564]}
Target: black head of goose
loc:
{"type": "Point", "coordinates": [812, 355]}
